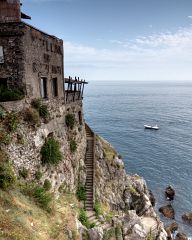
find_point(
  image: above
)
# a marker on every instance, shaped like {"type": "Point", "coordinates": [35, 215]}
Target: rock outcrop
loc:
{"type": "Point", "coordinates": [127, 196]}
{"type": "Point", "coordinates": [168, 211]}
{"type": "Point", "coordinates": [187, 218]}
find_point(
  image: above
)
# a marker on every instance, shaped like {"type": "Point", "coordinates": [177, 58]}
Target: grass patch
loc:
{"type": "Point", "coordinates": [38, 175]}
{"type": "Point", "coordinates": [47, 185]}
{"type": "Point", "coordinates": [81, 193]}
{"type": "Point", "coordinates": [41, 108]}
{"type": "Point", "coordinates": [12, 121]}
{"type": "Point", "coordinates": [31, 115]}
{"type": "Point", "coordinates": [7, 176]}
{"type": "Point", "coordinates": [24, 173]}
{"type": "Point", "coordinates": [98, 208]}
{"type": "Point", "coordinates": [40, 195]}
{"type": "Point", "coordinates": [73, 146]}
{"type": "Point", "coordinates": [84, 219]}
{"type": "Point", "coordinates": [50, 152]}
{"type": "Point", "coordinates": [70, 120]}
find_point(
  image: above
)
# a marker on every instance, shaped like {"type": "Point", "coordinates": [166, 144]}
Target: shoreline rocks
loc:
{"type": "Point", "coordinates": [168, 211]}
{"type": "Point", "coordinates": [169, 193]}
{"type": "Point", "coordinates": [187, 218]}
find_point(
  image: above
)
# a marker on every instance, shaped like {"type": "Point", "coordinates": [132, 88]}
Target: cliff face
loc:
{"type": "Point", "coordinates": [25, 153]}
{"type": "Point", "coordinates": [123, 203]}
{"type": "Point", "coordinates": [127, 196]}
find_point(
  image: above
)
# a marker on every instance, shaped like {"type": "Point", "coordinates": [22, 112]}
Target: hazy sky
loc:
{"type": "Point", "coordinates": [120, 39]}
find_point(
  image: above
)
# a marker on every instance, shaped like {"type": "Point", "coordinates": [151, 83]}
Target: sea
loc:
{"type": "Point", "coordinates": [118, 110]}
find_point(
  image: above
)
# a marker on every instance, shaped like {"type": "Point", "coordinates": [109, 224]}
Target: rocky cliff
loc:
{"type": "Point", "coordinates": [122, 203]}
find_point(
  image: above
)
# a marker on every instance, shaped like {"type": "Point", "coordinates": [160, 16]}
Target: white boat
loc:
{"type": "Point", "coordinates": [151, 127]}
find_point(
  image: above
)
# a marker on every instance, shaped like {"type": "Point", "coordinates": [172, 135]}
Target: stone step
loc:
{"type": "Point", "coordinates": [90, 213]}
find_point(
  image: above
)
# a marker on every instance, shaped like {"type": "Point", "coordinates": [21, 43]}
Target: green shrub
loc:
{"type": "Point", "coordinates": [7, 176]}
{"type": "Point", "coordinates": [43, 111]}
{"type": "Point", "coordinates": [38, 175]}
{"type": "Point", "coordinates": [47, 185]}
{"type": "Point", "coordinates": [50, 152]}
{"type": "Point", "coordinates": [12, 121]}
{"type": "Point", "coordinates": [84, 219]}
{"type": "Point", "coordinates": [97, 208]}
{"type": "Point", "coordinates": [70, 120]}
{"type": "Point", "coordinates": [73, 146]}
{"type": "Point", "coordinates": [24, 173]}
{"type": "Point", "coordinates": [81, 193]}
{"type": "Point", "coordinates": [10, 94]}
{"type": "Point", "coordinates": [150, 237]}
{"type": "Point", "coordinates": [4, 136]}
{"type": "Point", "coordinates": [31, 115]}
{"type": "Point", "coordinates": [41, 108]}
{"type": "Point", "coordinates": [42, 198]}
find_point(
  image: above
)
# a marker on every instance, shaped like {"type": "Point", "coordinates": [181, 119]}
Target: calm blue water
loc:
{"type": "Point", "coordinates": [118, 110]}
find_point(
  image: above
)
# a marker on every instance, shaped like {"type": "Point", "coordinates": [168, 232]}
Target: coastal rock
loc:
{"type": "Point", "coordinates": [151, 198]}
{"type": "Point", "coordinates": [95, 233]}
{"type": "Point", "coordinates": [169, 193]}
{"type": "Point", "coordinates": [171, 229]}
{"type": "Point", "coordinates": [181, 236]}
{"type": "Point", "coordinates": [167, 211]}
{"type": "Point", "coordinates": [187, 218]}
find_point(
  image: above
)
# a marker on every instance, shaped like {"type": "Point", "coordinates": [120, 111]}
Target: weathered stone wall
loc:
{"type": "Point", "coordinates": [29, 55]}
{"type": "Point", "coordinates": [43, 58]}
{"type": "Point", "coordinates": [11, 39]}
{"type": "Point", "coordinates": [27, 155]}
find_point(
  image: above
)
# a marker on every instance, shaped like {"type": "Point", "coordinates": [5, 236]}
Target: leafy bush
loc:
{"type": "Point", "coordinates": [47, 185]}
{"type": "Point", "coordinates": [73, 146]}
{"type": "Point", "coordinates": [43, 111]}
{"type": "Point", "coordinates": [42, 198]}
{"type": "Point", "coordinates": [50, 152]}
{"type": "Point", "coordinates": [4, 136]}
{"type": "Point", "coordinates": [41, 108]}
{"type": "Point", "coordinates": [10, 94]}
{"type": "Point", "coordinates": [31, 115]}
{"type": "Point", "coordinates": [7, 177]}
{"type": "Point", "coordinates": [84, 219]}
{"type": "Point", "coordinates": [24, 173]}
{"type": "Point", "coordinates": [81, 193]}
{"type": "Point", "coordinates": [38, 175]}
{"type": "Point", "coordinates": [12, 121]}
{"type": "Point", "coordinates": [70, 120]}
{"type": "Point", "coordinates": [97, 208]}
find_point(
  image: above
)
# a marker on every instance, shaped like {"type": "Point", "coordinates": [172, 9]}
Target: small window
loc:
{"type": "Point", "coordinates": [54, 87]}
{"type": "Point", "coordinates": [80, 117]}
{"type": "Point", "coordinates": [1, 55]}
{"type": "Point", "coordinates": [3, 82]}
{"type": "Point", "coordinates": [43, 86]}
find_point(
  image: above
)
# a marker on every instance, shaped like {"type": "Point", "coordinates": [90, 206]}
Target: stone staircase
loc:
{"type": "Point", "coordinates": [89, 161]}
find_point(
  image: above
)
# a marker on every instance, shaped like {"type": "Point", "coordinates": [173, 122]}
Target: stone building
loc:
{"type": "Point", "coordinates": [30, 59]}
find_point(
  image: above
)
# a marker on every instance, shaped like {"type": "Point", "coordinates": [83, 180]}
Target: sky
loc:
{"type": "Point", "coordinates": [119, 39]}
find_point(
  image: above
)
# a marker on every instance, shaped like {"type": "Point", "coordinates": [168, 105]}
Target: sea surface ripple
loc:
{"type": "Point", "coordinates": [117, 110]}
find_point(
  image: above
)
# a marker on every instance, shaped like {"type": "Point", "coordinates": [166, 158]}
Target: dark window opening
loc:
{"type": "Point", "coordinates": [3, 82]}
{"type": "Point", "coordinates": [80, 117]}
{"type": "Point", "coordinates": [54, 87]}
{"type": "Point", "coordinates": [43, 86]}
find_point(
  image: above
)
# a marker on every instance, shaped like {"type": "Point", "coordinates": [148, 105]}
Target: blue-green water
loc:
{"type": "Point", "coordinates": [118, 110]}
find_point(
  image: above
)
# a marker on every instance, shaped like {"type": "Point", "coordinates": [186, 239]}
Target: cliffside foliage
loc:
{"type": "Point", "coordinates": [47, 185]}
{"type": "Point", "coordinates": [31, 115]}
{"type": "Point", "coordinates": [41, 108]}
{"type": "Point", "coordinates": [83, 218]}
{"type": "Point", "coordinates": [11, 121]}
{"type": "Point", "coordinates": [10, 94]}
{"type": "Point", "coordinates": [81, 193]}
{"type": "Point", "coordinates": [73, 146]}
{"type": "Point", "coordinates": [98, 208]}
{"type": "Point", "coordinates": [70, 120]}
{"type": "Point", "coordinates": [7, 176]}
{"type": "Point", "coordinates": [40, 195]}
{"type": "Point", "coordinates": [50, 152]}
{"type": "Point", "coordinates": [24, 173]}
